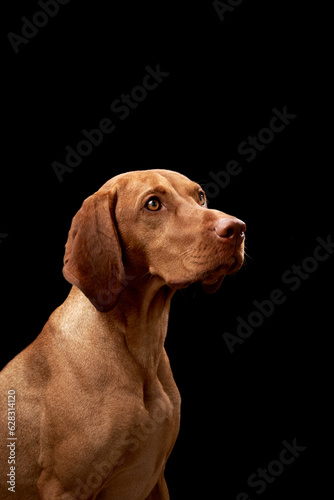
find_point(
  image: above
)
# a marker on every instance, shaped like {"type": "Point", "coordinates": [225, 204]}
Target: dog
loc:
{"type": "Point", "coordinates": [96, 407]}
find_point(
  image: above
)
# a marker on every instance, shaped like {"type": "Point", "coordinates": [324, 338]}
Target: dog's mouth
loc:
{"type": "Point", "coordinates": [213, 273]}
{"type": "Point", "coordinates": [208, 265]}
{"type": "Point", "coordinates": [229, 264]}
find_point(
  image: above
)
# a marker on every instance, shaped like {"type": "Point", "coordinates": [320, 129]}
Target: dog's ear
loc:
{"type": "Point", "coordinates": [93, 255]}
{"type": "Point", "coordinates": [213, 287]}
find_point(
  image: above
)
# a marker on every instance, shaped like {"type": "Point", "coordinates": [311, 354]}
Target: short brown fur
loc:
{"type": "Point", "coordinates": [98, 410]}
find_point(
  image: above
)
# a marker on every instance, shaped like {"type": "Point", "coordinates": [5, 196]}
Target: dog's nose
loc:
{"type": "Point", "coordinates": [231, 229]}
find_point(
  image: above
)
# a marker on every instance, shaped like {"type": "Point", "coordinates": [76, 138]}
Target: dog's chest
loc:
{"type": "Point", "coordinates": [160, 416]}
{"type": "Point", "coordinates": [149, 441]}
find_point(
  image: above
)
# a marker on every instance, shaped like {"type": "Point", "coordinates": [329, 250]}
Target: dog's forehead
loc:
{"type": "Point", "coordinates": [140, 180]}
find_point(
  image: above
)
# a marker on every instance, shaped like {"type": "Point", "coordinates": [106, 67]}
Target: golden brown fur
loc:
{"type": "Point", "coordinates": [98, 410]}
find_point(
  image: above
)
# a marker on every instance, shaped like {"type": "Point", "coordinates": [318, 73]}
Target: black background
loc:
{"type": "Point", "coordinates": [225, 78]}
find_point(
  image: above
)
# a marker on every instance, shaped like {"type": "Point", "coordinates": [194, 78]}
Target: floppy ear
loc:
{"type": "Point", "coordinates": [213, 287]}
{"type": "Point", "coordinates": [93, 255]}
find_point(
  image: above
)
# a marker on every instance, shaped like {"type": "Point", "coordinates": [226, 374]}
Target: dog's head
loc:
{"type": "Point", "coordinates": [156, 223]}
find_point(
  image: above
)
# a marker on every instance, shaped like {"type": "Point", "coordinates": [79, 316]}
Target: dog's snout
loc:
{"type": "Point", "coordinates": [231, 229]}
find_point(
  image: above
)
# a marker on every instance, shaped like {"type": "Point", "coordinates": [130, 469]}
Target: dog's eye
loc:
{"type": "Point", "coordinates": [153, 204]}
{"type": "Point", "coordinates": [202, 199]}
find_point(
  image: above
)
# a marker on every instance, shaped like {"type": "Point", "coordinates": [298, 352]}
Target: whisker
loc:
{"type": "Point", "coordinates": [247, 259]}
{"type": "Point", "coordinates": [182, 254]}
{"type": "Point", "coordinates": [248, 256]}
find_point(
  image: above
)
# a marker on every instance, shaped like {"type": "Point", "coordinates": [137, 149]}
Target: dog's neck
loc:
{"type": "Point", "coordinates": [139, 320]}
{"type": "Point", "coordinates": [141, 315]}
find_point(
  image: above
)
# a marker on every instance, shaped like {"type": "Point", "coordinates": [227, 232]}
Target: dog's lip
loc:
{"type": "Point", "coordinates": [212, 276]}
{"type": "Point", "coordinates": [210, 280]}
{"type": "Point", "coordinates": [212, 273]}
{"type": "Point", "coordinates": [226, 268]}
{"type": "Point", "coordinates": [175, 284]}
{"type": "Point", "coordinates": [207, 277]}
